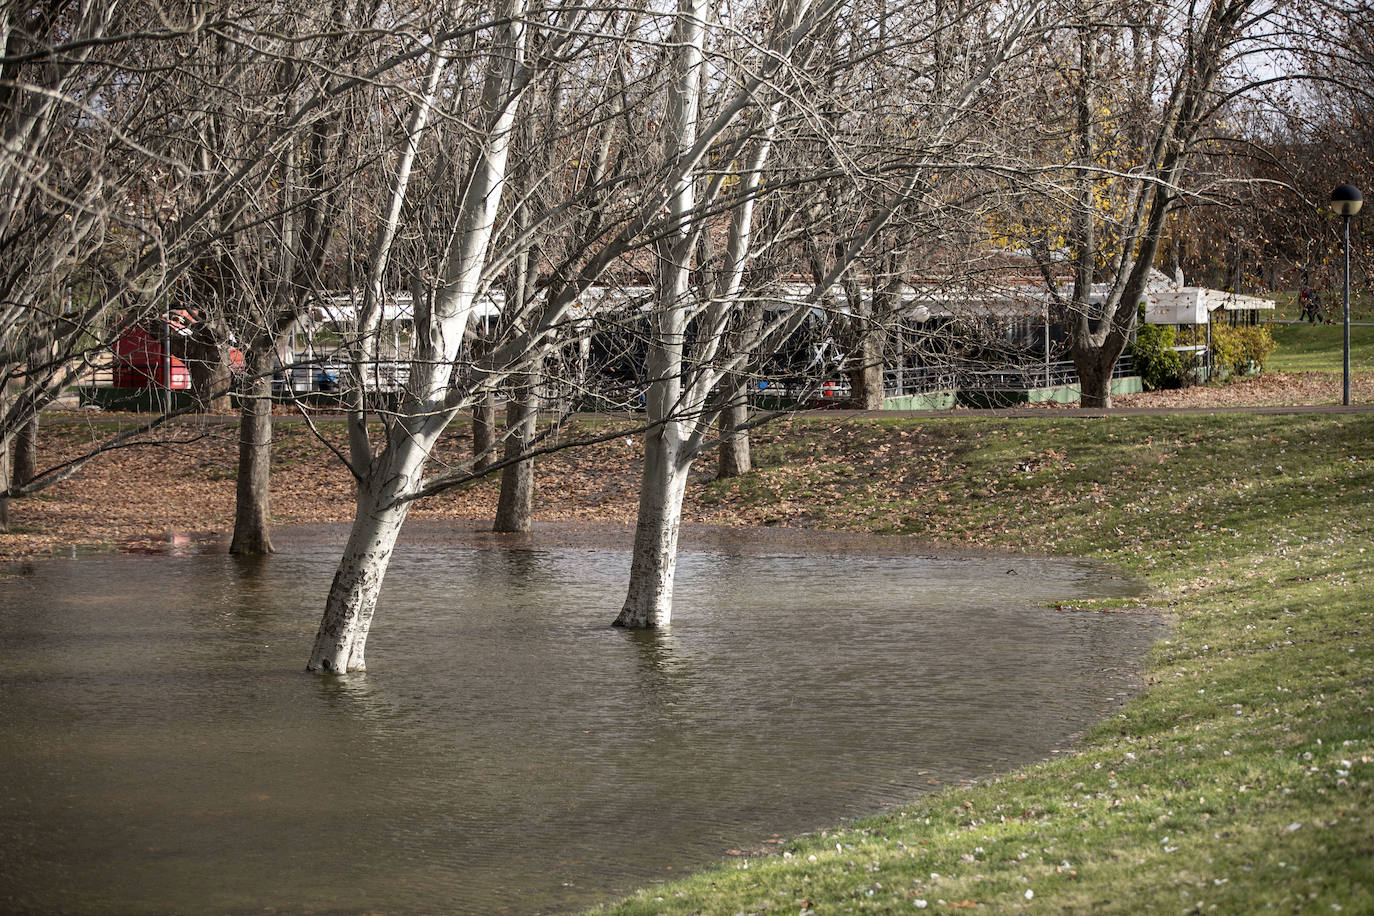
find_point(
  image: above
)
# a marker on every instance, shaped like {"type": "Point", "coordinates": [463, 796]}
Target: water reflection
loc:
{"type": "Point", "coordinates": [165, 753]}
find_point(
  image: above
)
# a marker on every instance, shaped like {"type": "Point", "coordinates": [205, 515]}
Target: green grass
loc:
{"type": "Point", "coordinates": [1242, 779]}
{"type": "Point", "coordinates": [1317, 348]}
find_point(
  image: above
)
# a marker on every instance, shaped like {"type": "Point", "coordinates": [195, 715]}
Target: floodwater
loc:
{"type": "Point", "coordinates": [164, 752]}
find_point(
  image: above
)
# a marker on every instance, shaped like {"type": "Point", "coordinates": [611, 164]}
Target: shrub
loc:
{"type": "Point", "coordinates": [1241, 350]}
{"type": "Point", "coordinates": [1156, 361]}
{"type": "Point", "coordinates": [1259, 345]}
{"type": "Point", "coordinates": [1226, 351]}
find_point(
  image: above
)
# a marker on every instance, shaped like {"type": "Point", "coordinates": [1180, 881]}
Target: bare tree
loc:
{"type": "Point", "coordinates": [388, 477]}
{"type": "Point", "coordinates": [440, 384]}
{"type": "Point", "coordinates": [681, 378]}
{"type": "Point", "coordinates": [60, 186]}
{"type": "Point", "coordinates": [123, 185]}
{"type": "Point", "coordinates": [1142, 83]}
{"type": "Point", "coordinates": [538, 138]}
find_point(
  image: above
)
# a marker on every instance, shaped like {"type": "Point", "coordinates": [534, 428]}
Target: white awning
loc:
{"type": "Point", "coordinates": [1192, 304]}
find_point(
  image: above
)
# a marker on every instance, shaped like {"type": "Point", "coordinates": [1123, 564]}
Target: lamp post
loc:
{"type": "Point", "coordinates": [1346, 202]}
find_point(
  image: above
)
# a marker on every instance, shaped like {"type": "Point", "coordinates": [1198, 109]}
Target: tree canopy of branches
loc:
{"type": "Point", "coordinates": [698, 183]}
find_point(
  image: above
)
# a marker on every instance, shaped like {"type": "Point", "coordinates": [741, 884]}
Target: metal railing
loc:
{"type": "Point", "coordinates": [980, 377]}
{"type": "Point", "coordinates": [388, 377]}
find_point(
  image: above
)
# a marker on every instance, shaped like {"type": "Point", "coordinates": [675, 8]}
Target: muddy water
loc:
{"type": "Point", "coordinates": [163, 752]}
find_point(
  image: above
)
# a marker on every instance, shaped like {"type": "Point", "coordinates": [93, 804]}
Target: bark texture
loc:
{"type": "Point", "coordinates": [341, 641]}
{"type": "Point", "coordinates": [514, 508]}
{"type": "Point", "coordinates": [734, 458]}
{"type": "Point", "coordinates": [208, 367]}
{"type": "Point", "coordinates": [1095, 369]}
{"type": "Point", "coordinates": [866, 378]}
{"type": "Point", "coordinates": [649, 601]}
{"type": "Point", "coordinates": [484, 430]}
{"type": "Point", "coordinates": [26, 453]}
{"type": "Point", "coordinates": [252, 525]}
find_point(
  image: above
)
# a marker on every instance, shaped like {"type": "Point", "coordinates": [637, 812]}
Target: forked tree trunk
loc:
{"type": "Point", "coordinates": [649, 602]}
{"type": "Point", "coordinates": [388, 481]}
{"type": "Point", "coordinates": [515, 506]}
{"type": "Point", "coordinates": [252, 526]}
{"type": "Point", "coordinates": [734, 458]}
{"type": "Point", "coordinates": [1095, 362]}
{"type": "Point", "coordinates": [1095, 384]}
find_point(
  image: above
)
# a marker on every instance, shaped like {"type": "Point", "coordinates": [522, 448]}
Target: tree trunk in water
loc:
{"type": "Point", "coordinates": [342, 637]}
{"type": "Point", "coordinates": [251, 525]}
{"type": "Point", "coordinates": [516, 504]}
{"type": "Point", "coordinates": [734, 458]}
{"type": "Point", "coordinates": [26, 453]}
{"type": "Point", "coordinates": [649, 603]}
{"type": "Point", "coordinates": [483, 430]}
{"type": "Point", "coordinates": [388, 481]}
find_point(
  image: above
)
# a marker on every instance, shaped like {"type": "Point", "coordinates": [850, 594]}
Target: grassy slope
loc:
{"type": "Point", "coordinates": [1242, 778]}
{"type": "Point", "coordinates": [1317, 348]}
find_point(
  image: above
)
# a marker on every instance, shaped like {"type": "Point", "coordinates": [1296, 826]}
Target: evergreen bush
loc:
{"type": "Point", "coordinates": [1156, 362]}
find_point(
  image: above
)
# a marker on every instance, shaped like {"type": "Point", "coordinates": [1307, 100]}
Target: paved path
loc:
{"type": "Point", "coordinates": [1091, 412]}
{"type": "Point", "coordinates": [1353, 324]}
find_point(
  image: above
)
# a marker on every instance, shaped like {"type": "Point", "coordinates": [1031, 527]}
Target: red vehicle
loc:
{"type": "Point", "coordinates": [140, 363]}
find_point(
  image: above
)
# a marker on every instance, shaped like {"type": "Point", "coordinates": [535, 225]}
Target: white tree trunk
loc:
{"type": "Point", "coordinates": [649, 602]}
{"type": "Point", "coordinates": [384, 498]}
{"type": "Point", "coordinates": [4, 482]}
{"type": "Point", "coordinates": [342, 637]}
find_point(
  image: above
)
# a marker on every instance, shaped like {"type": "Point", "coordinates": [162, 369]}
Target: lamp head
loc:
{"type": "Point", "coordinates": [1346, 200]}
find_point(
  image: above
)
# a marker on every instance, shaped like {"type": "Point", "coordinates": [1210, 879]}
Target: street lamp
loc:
{"type": "Point", "coordinates": [1346, 202]}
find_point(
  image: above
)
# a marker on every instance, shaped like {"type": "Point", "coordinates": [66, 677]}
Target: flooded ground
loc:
{"type": "Point", "coordinates": [509, 751]}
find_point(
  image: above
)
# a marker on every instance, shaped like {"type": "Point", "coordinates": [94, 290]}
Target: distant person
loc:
{"type": "Point", "coordinates": [1311, 305]}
